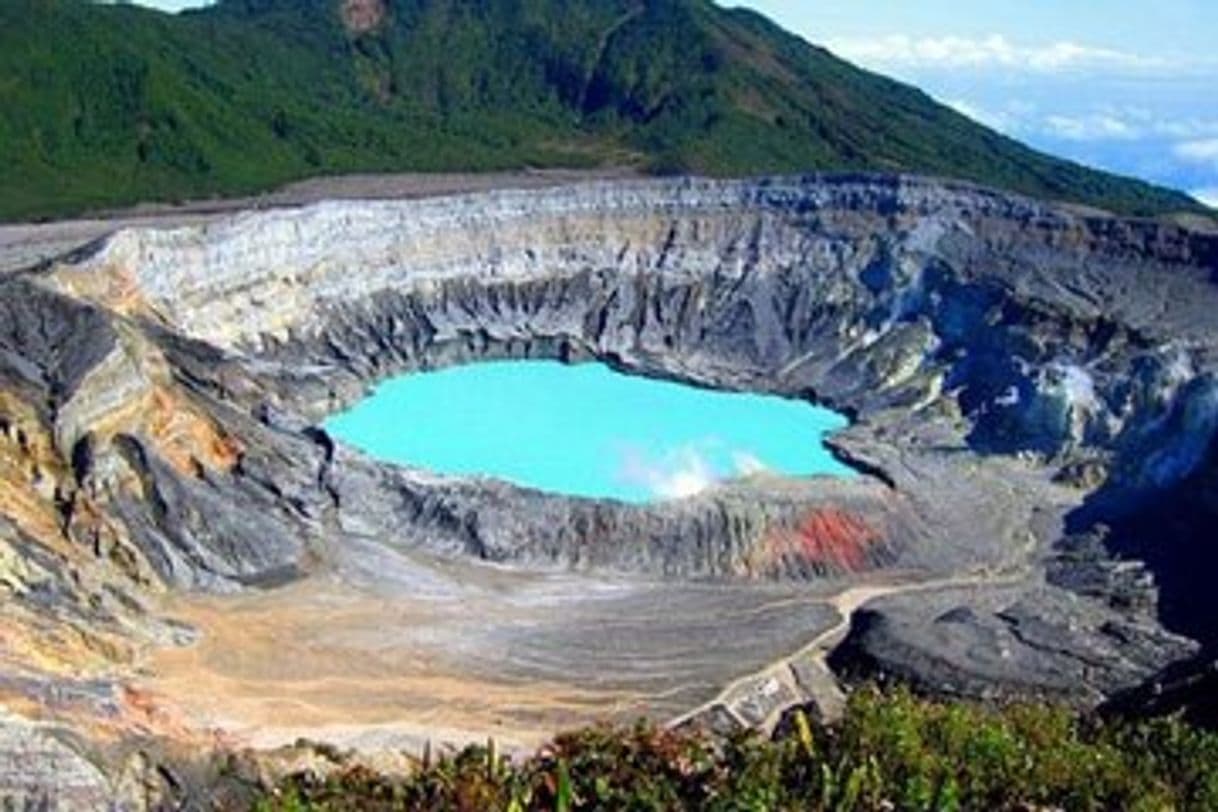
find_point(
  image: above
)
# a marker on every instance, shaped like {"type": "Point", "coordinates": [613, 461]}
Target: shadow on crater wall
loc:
{"type": "Point", "coordinates": [1175, 533]}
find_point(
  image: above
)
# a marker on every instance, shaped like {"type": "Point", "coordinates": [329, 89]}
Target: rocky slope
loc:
{"type": "Point", "coordinates": [1021, 377]}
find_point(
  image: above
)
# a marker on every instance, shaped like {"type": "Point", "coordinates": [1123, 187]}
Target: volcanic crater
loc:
{"type": "Point", "coordinates": [190, 555]}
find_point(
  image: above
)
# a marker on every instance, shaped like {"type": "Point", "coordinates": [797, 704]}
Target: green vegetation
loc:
{"type": "Point", "coordinates": [892, 751]}
{"type": "Point", "coordinates": [102, 105]}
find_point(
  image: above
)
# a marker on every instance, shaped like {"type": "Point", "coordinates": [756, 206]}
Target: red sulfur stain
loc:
{"type": "Point", "coordinates": [826, 537]}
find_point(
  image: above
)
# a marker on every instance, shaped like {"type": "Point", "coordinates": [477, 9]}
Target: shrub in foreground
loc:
{"type": "Point", "coordinates": [891, 751]}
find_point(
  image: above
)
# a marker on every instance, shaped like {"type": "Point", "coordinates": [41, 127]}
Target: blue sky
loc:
{"type": "Point", "coordinates": [1127, 85]}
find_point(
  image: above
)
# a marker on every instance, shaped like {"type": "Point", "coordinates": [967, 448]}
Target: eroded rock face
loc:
{"type": "Point", "coordinates": [1006, 362]}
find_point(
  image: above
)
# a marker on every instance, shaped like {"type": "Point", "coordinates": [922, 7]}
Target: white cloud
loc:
{"type": "Point", "coordinates": [1108, 123]}
{"type": "Point", "coordinates": [1144, 113]}
{"type": "Point", "coordinates": [1203, 151]}
{"type": "Point", "coordinates": [1187, 128]}
{"type": "Point", "coordinates": [1104, 122]}
{"type": "Point", "coordinates": [1207, 196]}
{"type": "Point", "coordinates": [1093, 127]}
{"type": "Point", "coordinates": [993, 51]}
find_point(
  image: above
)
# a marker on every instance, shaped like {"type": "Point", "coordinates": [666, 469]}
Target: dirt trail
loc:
{"type": "Point", "coordinates": [828, 695]}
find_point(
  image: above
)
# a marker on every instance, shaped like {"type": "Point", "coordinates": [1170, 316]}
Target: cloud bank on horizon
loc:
{"type": "Point", "coordinates": [1103, 82]}
{"type": "Point", "coordinates": [994, 51]}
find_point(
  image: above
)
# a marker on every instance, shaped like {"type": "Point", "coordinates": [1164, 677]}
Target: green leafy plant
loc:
{"type": "Point", "coordinates": [892, 750]}
{"type": "Point", "coordinates": [564, 796]}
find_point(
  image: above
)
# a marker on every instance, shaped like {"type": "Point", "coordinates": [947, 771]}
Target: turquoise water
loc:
{"type": "Point", "coordinates": [586, 430]}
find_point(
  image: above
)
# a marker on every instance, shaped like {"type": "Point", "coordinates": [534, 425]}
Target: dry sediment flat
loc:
{"type": "Point", "coordinates": [454, 652]}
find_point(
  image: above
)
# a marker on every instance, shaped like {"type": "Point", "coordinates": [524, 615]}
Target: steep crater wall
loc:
{"type": "Point", "coordinates": [1007, 363]}
{"type": "Point", "coordinates": [1084, 340]}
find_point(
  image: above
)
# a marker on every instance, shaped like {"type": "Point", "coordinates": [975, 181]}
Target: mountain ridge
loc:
{"type": "Point", "coordinates": [106, 106]}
